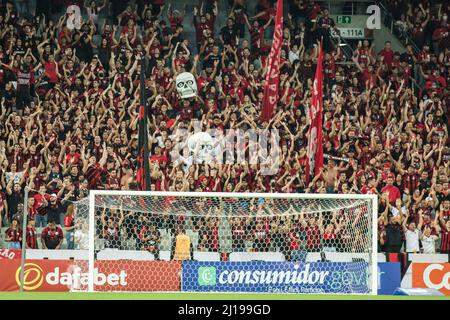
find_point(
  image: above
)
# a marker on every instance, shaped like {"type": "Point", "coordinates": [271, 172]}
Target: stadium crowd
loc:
{"type": "Point", "coordinates": [69, 118]}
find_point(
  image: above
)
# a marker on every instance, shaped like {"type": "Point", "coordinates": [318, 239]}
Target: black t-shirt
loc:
{"type": "Point", "coordinates": [424, 184]}
{"type": "Point", "coordinates": [228, 34]}
{"type": "Point", "coordinates": [298, 9]}
{"type": "Point", "coordinates": [104, 54]}
{"type": "Point", "coordinates": [72, 198]}
{"type": "Point", "coordinates": [84, 49]}
{"type": "Point", "coordinates": [179, 38]}
{"type": "Point", "coordinates": [408, 58]}
{"type": "Point", "coordinates": [53, 212]}
{"type": "Point", "coordinates": [130, 224]}
{"type": "Point", "coordinates": [381, 208]}
{"type": "Point", "coordinates": [152, 63]}
{"type": "Point", "coordinates": [441, 197]}
{"type": "Point", "coordinates": [393, 235]}
{"type": "Point", "coordinates": [210, 61]}
{"type": "Point", "coordinates": [396, 155]}
{"type": "Point", "coordinates": [13, 201]}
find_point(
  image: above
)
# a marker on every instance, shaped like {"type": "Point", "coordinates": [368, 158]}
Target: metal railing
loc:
{"type": "Point", "coordinates": [350, 8]}
{"type": "Point", "coordinates": [404, 37]}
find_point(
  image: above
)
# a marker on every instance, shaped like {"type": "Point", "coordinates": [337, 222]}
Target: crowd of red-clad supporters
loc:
{"type": "Point", "coordinates": [69, 119]}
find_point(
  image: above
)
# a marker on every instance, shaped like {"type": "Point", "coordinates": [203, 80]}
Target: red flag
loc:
{"type": "Point", "coordinates": [270, 99]}
{"type": "Point", "coordinates": [315, 148]}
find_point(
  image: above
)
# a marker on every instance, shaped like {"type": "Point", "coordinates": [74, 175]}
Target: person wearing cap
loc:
{"type": "Point", "coordinates": [203, 182]}
{"type": "Point", "coordinates": [386, 171]}
{"type": "Point", "coordinates": [54, 209]}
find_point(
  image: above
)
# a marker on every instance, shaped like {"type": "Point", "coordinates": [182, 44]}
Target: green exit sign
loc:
{"type": "Point", "coordinates": [344, 19]}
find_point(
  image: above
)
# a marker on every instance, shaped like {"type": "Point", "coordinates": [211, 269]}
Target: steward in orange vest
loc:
{"type": "Point", "coordinates": [182, 248]}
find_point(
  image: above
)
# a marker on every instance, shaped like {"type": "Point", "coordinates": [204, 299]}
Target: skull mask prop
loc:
{"type": "Point", "coordinates": [186, 85]}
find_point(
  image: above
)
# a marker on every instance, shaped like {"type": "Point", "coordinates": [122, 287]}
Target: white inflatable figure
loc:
{"type": "Point", "coordinates": [201, 145]}
{"type": "Point", "coordinates": [186, 85]}
{"type": "Point", "coordinates": [74, 17]}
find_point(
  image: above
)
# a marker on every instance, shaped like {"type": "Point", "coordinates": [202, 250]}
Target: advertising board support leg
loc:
{"type": "Point", "coordinates": [374, 259]}
{"type": "Point", "coordinates": [91, 241]}
{"type": "Point", "coordinates": [24, 238]}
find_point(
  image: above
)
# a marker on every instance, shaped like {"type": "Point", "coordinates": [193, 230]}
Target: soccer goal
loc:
{"type": "Point", "coordinates": [231, 242]}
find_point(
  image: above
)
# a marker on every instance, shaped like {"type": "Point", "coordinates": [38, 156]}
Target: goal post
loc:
{"type": "Point", "coordinates": [232, 242]}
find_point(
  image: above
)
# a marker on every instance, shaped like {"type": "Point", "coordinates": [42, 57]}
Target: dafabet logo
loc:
{"type": "Point", "coordinates": [33, 276]}
{"type": "Point", "coordinates": [72, 277]}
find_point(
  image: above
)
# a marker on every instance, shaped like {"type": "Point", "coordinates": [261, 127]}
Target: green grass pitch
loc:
{"type": "Point", "coordinates": [197, 296]}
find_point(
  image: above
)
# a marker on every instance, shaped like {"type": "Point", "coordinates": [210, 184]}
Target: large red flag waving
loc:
{"type": "Point", "coordinates": [270, 98]}
{"type": "Point", "coordinates": [315, 149]}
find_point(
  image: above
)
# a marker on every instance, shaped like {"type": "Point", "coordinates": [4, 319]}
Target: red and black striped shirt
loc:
{"type": "Point", "coordinates": [93, 174]}
{"type": "Point", "coordinates": [445, 241]}
{"type": "Point", "coordinates": [411, 181]}
{"type": "Point", "coordinates": [32, 238]}
{"type": "Point", "coordinates": [14, 234]}
{"type": "Point", "coordinates": [32, 212]}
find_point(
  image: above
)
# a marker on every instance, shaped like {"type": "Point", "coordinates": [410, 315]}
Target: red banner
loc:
{"type": "Point", "coordinates": [315, 148]}
{"type": "Point", "coordinates": [431, 275]}
{"type": "Point", "coordinates": [67, 275]}
{"type": "Point", "coordinates": [270, 98]}
{"type": "Point", "coordinates": [10, 254]}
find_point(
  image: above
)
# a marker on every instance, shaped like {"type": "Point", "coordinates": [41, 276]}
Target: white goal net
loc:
{"type": "Point", "coordinates": [229, 242]}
